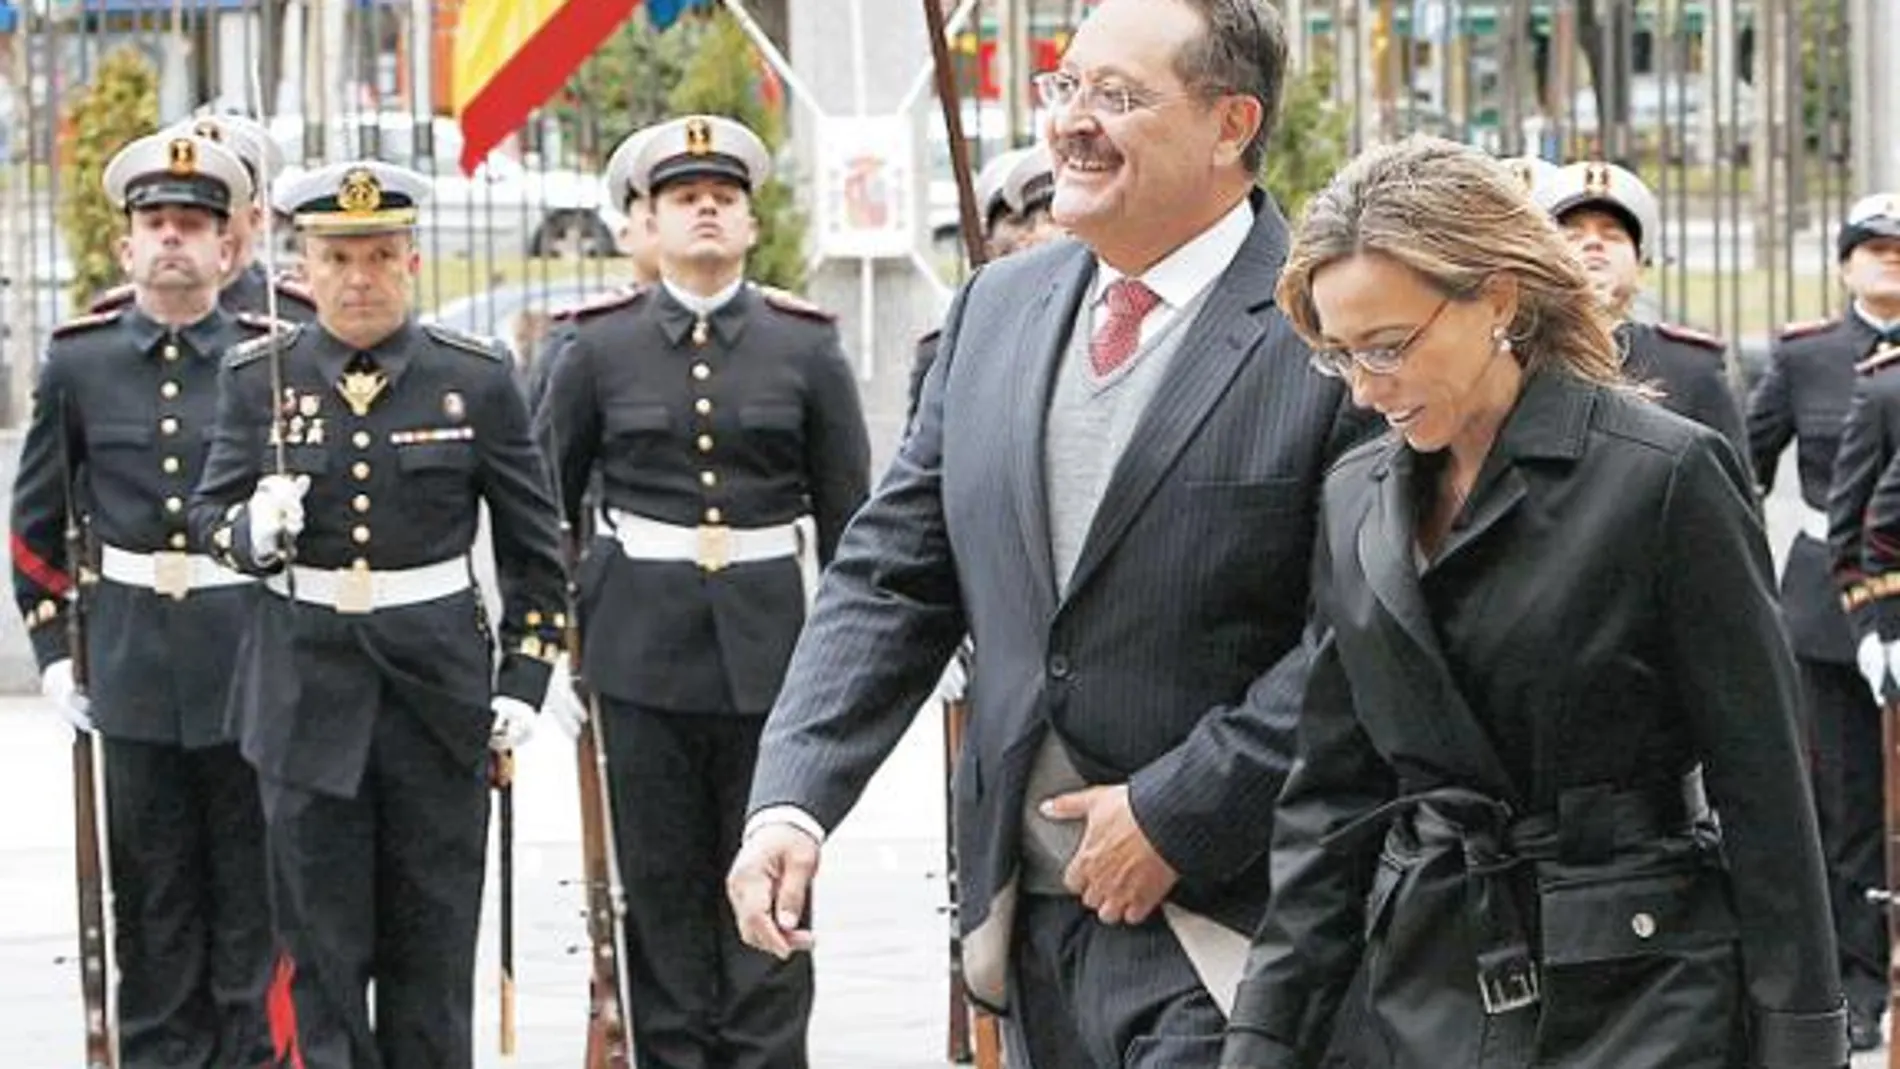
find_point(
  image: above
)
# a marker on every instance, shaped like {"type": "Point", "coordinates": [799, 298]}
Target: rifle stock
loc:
{"type": "Point", "coordinates": [89, 869]}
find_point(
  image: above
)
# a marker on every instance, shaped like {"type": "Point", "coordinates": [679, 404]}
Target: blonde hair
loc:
{"type": "Point", "coordinates": [1457, 218]}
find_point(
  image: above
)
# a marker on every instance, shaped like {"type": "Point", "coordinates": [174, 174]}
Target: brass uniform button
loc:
{"type": "Point", "coordinates": [715, 516]}
{"type": "Point", "coordinates": [168, 425]}
{"type": "Point", "coordinates": [177, 540]}
{"type": "Point", "coordinates": [708, 479]}
{"type": "Point", "coordinates": [703, 407]}
{"type": "Point", "coordinates": [702, 372]}
{"type": "Point", "coordinates": [174, 505]}
{"type": "Point", "coordinates": [705, 443]}
{"type": "Point", "coordinates": [360, 439]}
{"type": "Point", "coordinates": [360, 470]}
{"type": "Point", "coordinates": [359, 534]}
{"type": "Point", "coordinates": [1643, 925]}
{"type": "Point", "coordinates": [360, 502]}
{"type": "Point", "coordinates": [171, 352]}
{"type": "Point", "coordinates": [170, 465]}
{"type": "Point", "coordinates": [168, 390]}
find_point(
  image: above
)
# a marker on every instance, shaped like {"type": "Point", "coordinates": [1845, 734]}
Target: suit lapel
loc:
{"type": "Point", "coordinates": [1228, 329]}
{"type": "Point", "coordinates": [1039, 351]}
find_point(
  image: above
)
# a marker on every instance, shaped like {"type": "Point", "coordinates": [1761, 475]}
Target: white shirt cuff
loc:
{"type": "Point", "coordinates": [786, 814]}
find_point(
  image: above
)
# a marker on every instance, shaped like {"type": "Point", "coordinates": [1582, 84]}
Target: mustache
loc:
{"type": "Point", "coordinates": [1085, 149]}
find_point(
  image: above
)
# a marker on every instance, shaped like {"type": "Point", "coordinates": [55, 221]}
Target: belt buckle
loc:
{"type": "Point", "coordinates": [1507, 980]}
{"type": "Point", "coordinates": [715, 547]}
{"type": "Point", "coordinates": [356, 590]}
{"type": "Point", "coordinates": [171, 574]}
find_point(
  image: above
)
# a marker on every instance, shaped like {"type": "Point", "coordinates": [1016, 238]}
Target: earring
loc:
{"type": "Point", "coordinates": [1502, 339]}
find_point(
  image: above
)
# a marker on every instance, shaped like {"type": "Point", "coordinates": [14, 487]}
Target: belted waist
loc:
{"type": "Point", "coordinates": [363, 590]}
{"type": "Point", "coordinates": [711, 546]}
{"type": "Point", "coordinates": [1590, 825]}
{"type": "Point", "coordinates": [173, 574]}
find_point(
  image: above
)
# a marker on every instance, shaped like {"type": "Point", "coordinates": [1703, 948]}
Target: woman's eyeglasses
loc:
{"type": "Point", "coordinates": [1338, 363]}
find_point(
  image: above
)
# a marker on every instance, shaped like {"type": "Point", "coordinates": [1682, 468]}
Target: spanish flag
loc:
{"type": "Point", "coordinates": [511, 56]}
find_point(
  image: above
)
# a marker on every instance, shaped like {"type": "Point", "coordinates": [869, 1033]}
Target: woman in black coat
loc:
{"type": "Point", "coordinates": [1548, 785]}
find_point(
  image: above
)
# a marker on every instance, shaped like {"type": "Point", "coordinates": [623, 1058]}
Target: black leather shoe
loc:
{"type": "Point", "coordinates": [1863, 1029]}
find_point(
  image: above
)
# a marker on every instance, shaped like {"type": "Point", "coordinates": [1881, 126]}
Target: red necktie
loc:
{"type": "Point", "coordinates": [1129, 302]}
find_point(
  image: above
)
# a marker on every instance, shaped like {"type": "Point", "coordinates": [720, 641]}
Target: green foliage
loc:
{"type": "Point", "coordinates": [1308, 146]}
{"type": "Point", "coordinates": [120, 105]}
{"type": "Point", "coordinates": [623, 86]}
{"type": "Point", "coordinates": [724, 77]}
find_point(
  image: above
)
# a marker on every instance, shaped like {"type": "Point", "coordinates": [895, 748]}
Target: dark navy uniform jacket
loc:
{"type": "Point", "coordinates": [128, 404]}
{"type": "Point", "coordinates": [396, 487]}
{"type": "Point", "coordinates": [748, 420]}
{"type": "Point", "coordinates": [1804, 397]}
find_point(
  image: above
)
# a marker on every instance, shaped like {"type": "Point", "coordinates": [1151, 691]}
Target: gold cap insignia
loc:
{"type": "Point", "coordinates": [699, 137]}
{"type": "Point", "coordinates": [208, 129]}
{"type": "Point", "coordinates": [360, 193]}
{"type": "Point", "coordinates": [184, 156]}
{"type": "Point", "coordinates": [1596, 179]}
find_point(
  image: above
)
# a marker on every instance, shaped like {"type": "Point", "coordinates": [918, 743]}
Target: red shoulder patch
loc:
{"type": "Point", "coordinates": [614, 298]}
{"type": "Point", "coordinates": [88, 321]}
{"type": "Point", "coordinates": [786, 301]}
{"type": "Point", "coordinates": [117, 297]}
{"type": "Point", "coordinates": [1805, 328]}
{"type": "Point", "coordinates": [1692, 336]}
{"type": "Point", "coordinates": [1885, 356]}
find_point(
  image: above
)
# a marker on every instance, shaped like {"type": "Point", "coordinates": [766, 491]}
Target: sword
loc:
{"type": "Point", "coordinates": [288, 548]}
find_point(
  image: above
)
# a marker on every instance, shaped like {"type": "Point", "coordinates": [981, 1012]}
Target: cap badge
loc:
{"type": "Point", "coordinates": [184, 156]}
{"type": "Point", "coordinates": [699, 137]}
{"type": "Point", "coordinates": [1596, 179]}
{"type": "Point", "coordinates": [360, 193]}
{"type": "Point", "coordinates": [208, 129]}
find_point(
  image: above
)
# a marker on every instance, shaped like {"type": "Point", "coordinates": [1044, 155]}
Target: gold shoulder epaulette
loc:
{"type": "Point", "coordinates": [786, 301]}
{"type": "Point", "coordinates": [1884, 356]}
{"type": "Point", "coordinates": [81, 324]}
{"type": "Point", "coordinates": [455, 339]}
{"type": "Point", "coordinates": [1691, 335]}
{"type": "Point", "coordinates": [614, 298]}
{"type": "Point", "coordinates": [1805, 328]}
{"type": "Point", "coordinates": [248, 351]}
{"type": "Point", "coordinates": [115, 298]}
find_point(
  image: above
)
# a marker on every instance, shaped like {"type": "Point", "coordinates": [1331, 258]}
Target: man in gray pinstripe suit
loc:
{"type": "Point", "coordinates": [1111, 485]}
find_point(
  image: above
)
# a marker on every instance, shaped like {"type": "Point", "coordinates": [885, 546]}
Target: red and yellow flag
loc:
{"type": "Point", "coordinates": [511, 56]}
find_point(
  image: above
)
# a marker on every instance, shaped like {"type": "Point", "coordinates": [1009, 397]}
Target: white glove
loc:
{"type": "Point", "coordinates": [1873, 660]}
{"type": "Point", "coordinates": [276, 513]}
{"type": "Point", "coordinates": [57, 686]}
{"type": "Point", "coordinates": [563, 704]}
{"type": "Point", "coordinates": [514, 722]}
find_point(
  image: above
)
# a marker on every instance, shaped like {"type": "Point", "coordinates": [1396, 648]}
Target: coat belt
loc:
{"type": "Point", "coordinates": [715, 546]}
{"type": "Point", "coordinates": [1590, 823]}
{"type": "Point", "coordinates": [362, 590]}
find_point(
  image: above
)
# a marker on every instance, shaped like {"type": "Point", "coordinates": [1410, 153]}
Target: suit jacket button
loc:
{"type": "Point", "coordinates": [1058, 666]}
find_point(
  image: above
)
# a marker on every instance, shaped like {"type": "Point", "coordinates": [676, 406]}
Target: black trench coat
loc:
{"type": "Point", "coordinates": [1499, 794]}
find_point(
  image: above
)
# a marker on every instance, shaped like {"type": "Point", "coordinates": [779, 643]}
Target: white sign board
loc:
{"type": "Point", "coordinates": [866, 187]}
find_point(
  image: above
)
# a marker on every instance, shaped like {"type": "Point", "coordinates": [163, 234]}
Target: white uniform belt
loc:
{"type": "Point", "coordinates": [711, 546]}
{"type": "Point", "coordinates": [360, 590]}
{"type": "Point", "coordinates": [714, 546]}
{"type": "Point", "coordinates": [1814, 523]}
{"type": "Point", "coordinates": [171, 573]}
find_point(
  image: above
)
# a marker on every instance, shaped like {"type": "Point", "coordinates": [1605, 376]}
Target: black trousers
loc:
{"type": "Point", "coordinates": [1087, 995]}
{"type": "Point", "coordinates": [1849, 797]}
{"type": "Point", "coordinates": [700, 998]}
{"type": "Point", "coordinates": [384, 887]}
{"type": "Point", "coordinates": [189, 905]}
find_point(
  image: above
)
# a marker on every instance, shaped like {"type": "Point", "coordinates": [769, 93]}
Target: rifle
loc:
{"type": "Point", "coordinates": [501, 776]}
{"type": "Point", "coordinates": [89, 870]}
{"type": "Point", "coordinates": [988, 1043]}
{"type": "Point", "coordinates": [609, 1035]}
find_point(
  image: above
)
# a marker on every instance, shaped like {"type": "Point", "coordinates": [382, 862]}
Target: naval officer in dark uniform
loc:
{"type": "Point", "coordinates": [724, 421]}
{"type": "Point", "coordinates": [246, 284]}
{"type": "Point", "coordinates": [367, 686]}
{"type": "Point", "coordinates": [1613, 225]}
{"type": "Point", "coordinates": [125, 400]}
{"type": "Point", "coordinates": [1863, 531]}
